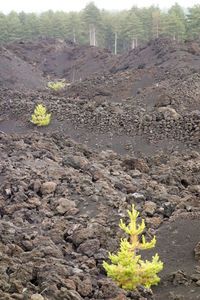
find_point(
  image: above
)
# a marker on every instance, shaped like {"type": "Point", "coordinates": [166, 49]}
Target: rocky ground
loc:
{"type": "Point", "coordinates": [126, 131]}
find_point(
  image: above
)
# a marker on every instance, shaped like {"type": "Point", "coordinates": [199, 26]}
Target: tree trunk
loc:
{"type": "Point", "coordinates": [92, 35]}
{"type": "Point", "coordinates": [74, 35]}
{"type": "Point", "coordinates": [157, 30]}
{"type": "Point", "coordinates": [115, 43]}
{"type": "Point", "coordinates": [133, 44]}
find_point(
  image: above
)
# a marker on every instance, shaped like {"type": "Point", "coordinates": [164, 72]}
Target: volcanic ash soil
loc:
{"type": "Point", "coordinates": [126, 131]}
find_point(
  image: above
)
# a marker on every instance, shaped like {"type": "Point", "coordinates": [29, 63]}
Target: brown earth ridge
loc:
{"type": "Point", "coordinates": [125, 131]}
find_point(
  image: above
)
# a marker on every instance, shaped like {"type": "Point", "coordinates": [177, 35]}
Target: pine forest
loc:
{"type": "Point", "coordinates": [116, 31]}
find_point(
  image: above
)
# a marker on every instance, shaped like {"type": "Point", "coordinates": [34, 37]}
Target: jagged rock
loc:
{"type": "Point", "coordinates": [37, 297]}
{"type": "Point", "coordinates": [168, 111]}
{"type": "Point", "coordinates": [68, 294]}
{"type": "Point", "coordinates": [163, 100]}
{"type": "Point", "coordinates": [135, 197]}
{"type": "Point", "coordinates": [81, 235]}
{"type": "Point", "coordinates": [119, 297]}
{"type": "Point", "coordinates": [149, 208]}
{"type": "Point", "coordinates": [194, 189]}
{"type": "Point", "coordinates": [179, 277]}
{"type": "Point", "coordinates": [48, 187]}
{"type": "Point", "coordinates": [195, 277]}
{"type": "Point", "coordinates": [197, 251]}
{"type": "Point", "coordinates": [70, 284]}
{"type": "Point", "coordinates": [108, 288]}
{"type": "Point", "coordinates": [84, 287]}
{"type": "Point", "coordinates": [34, 201]}
{"type": "Point", "coordinates": [75, 162]}
{"type": "Point", "coordinates": [90, 247]}
{"type": "Point", "coordinates": [153, 222]}
{"type": "Point", "coordinates": [65, 205]}
{"type": "Point", "coordinates": [36, 185]}
{"type": "Point", "coordinates": [8, 192]}
{"type": "Point", "coordinates": [134, 163]}
{"type": "Point", "coordinates": [131, 189]}
{"type": "Point", "coordinates": [168, 208]}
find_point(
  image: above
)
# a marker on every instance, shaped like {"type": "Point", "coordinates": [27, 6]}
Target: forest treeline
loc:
{"type": "Point", "coordinates": [117, 31]}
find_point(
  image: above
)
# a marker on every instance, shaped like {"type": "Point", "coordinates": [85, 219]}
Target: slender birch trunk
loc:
{"type": "Point", "coordinates": [115, 43]}
{"type": "Point", "coordinates": [74, 35]}
{"type": "Point", "coordinates": [133, 44]}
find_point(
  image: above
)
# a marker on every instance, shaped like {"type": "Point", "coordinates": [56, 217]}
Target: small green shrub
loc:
{"type": "Point", "coordinates": [128, 270]}
{"type": "Point", "coordinates": [55, 86]}
{"type": "Point", "coordinates": [40, 118]}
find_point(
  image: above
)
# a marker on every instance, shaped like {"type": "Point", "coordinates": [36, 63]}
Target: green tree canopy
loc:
{"type": "Point", "coordinates": [4, 29]}
{"type": "Point", "coordinates": [92, 18]}
{"type": "Point", "coordinates": [175, 25]}
{"type": "Point", "coordinates": [117, 31]}
{"type": "Point", "coordinates": [193, 24]}
{"type": "Point", "coordinates": [14, 27]}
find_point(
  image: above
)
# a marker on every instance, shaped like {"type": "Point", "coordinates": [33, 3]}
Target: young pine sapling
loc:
{"type": "Point", "coordinates": [127, 268]}
{"type": "Point", "coordinates": [40, 118]}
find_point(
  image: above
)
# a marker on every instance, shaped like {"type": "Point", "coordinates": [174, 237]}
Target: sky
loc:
{"type": "Point", "coordinates": [77, 5]}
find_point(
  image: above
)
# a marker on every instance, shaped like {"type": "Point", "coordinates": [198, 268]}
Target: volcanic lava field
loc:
{"type": "Point", "coordinates": [124, 130]}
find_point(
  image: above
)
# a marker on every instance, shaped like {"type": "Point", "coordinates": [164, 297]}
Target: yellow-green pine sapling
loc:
{"type": "Point", "coordinates": [56, 85]}
{"type": "Point", "coordinates": [127, 268]}
{"type": "Point", "coordinates": [40, 118]}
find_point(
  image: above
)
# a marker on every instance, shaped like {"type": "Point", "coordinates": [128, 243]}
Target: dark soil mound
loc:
{"type": "Point", "coordinates": [17, 73]}
{"type": "Point", "coordinates": [179, 58]}
{"type": "Point", "coordinates": [58, 58]}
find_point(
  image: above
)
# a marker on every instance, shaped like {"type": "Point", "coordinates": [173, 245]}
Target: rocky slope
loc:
{"type": "Point", "coordinates": [127, 135]}
{"type": "Point", "coordinates": [57, 58]}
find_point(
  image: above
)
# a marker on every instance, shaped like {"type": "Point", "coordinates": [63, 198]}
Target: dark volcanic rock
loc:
{"type": "Point", "coordinates": [129, 136]}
